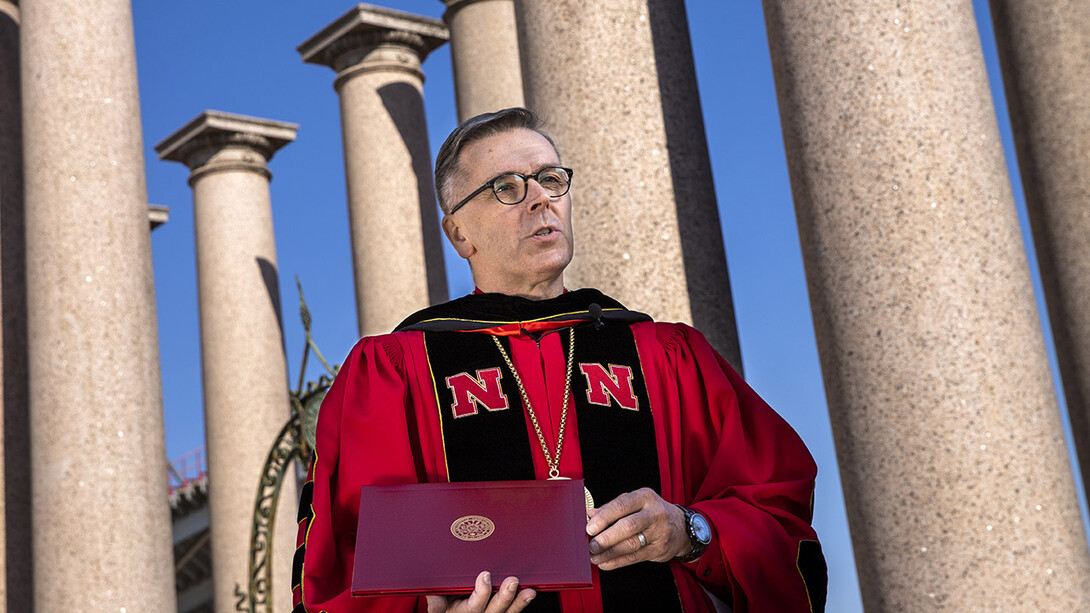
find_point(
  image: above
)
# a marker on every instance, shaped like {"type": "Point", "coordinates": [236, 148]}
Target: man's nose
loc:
{"type": "Point", "coordinates": [536, 195]}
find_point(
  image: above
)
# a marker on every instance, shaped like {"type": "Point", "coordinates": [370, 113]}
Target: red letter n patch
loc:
{"type": "Point", "coordinates": [484, 390]}
{"type": "Point", "coordinates": [617, 383]}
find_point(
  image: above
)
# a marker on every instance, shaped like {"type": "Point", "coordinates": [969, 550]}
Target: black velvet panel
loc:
{"type": "Point", "coordinates": [620, 455]}
{"type": "Point", "coordinates": [814, 573]}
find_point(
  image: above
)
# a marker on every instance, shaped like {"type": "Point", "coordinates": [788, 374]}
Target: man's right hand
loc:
{"type": "Point", "coordinates": [507, 600]}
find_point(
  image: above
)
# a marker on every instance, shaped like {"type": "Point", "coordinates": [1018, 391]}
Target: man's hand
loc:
{"type": "Point", "coordinates": [615, 528]}
{"type": "Point", "coordinates": [507, 600]}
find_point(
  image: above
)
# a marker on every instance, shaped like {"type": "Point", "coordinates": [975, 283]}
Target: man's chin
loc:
{"type": "Point", "coordinates": [557, 262]}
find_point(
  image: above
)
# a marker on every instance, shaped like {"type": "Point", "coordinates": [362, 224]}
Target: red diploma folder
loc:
{"type": "Point", "coordinates": [435, 538]}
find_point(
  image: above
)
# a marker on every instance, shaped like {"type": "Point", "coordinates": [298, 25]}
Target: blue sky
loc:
{"type": "Point", "coordinates": [239, 56]}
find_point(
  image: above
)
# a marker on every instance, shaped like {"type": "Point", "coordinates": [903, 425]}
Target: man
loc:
{"type": "Point", "coordinates": [702, 488]}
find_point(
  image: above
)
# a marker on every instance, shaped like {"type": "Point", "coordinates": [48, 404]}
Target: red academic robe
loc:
{"type": "Point", "coordinates": [721, 451]}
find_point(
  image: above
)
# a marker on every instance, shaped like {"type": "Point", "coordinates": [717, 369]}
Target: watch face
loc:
{"type": "Point", "coordinates": [701, 530]}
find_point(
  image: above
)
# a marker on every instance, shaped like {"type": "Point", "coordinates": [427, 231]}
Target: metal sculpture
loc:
{"type": "Point", "coordinates": [295, 442]}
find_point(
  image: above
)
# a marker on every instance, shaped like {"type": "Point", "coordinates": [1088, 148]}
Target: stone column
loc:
{"type": "Point", "coordinates": [616, 83]}
{"type": "Point", "coordinates": [1044, 48]}
{"type": "Point", "coordinates": [484, 52]}
{"type": "Point", "coordinates": [101, 522]}
{"type": "Point", "coordinates": [16, 588]}
{"type": "Point", "coordinates": [397, 250]}
{"type": "Point", "coordinates": [958, 488]}
{"type": "Point", "coordinates": [242, 346]}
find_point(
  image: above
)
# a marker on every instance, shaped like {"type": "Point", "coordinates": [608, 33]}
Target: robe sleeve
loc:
{"type": "Point", "coordinates": [737, 462]}
{"type": "Point", "coordinates": [363, 438]}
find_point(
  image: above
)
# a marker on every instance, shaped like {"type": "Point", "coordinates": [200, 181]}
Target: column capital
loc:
{"type": "Point", "coordinates": [198, 142]}
{"type": "Point", "coordinates": [158, 214]}
{"type": "Point", "coordinates": [10, 8]}
{"type": "Point", "coordinates": [352, 39]}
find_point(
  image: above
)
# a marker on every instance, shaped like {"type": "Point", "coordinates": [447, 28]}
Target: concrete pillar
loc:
{"type": "Point", "coordinates": [242, 346]}
{"type": "Point", "coordinates": [101, 522]}
{"type": "Point", "coordinates": [397, 250]}
{"type": "Point", "coordinates": [616, 83]}
{"type": "Point", "coordinates": [16, 589]}
{"type": "Point", "coordinates": [959, 493]}
{"type": "Point", "coordinates": [484, 52]}
{"type": "Point", "coordinates": [1044, 48]}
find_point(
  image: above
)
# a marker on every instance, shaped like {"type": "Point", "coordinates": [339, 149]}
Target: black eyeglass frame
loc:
{"type": "Point", "coordinates": [525, 191]}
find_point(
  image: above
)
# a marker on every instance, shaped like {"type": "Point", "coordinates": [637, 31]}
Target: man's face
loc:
{"type": "Point", "coordinates": [511, 248]}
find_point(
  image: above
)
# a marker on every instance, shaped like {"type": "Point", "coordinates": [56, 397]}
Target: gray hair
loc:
{"type": "Point", "coordinates": [474, 129]}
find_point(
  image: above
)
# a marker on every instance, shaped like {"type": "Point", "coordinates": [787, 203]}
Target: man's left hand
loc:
{"type": "Point", "coordinates": [615, 528]}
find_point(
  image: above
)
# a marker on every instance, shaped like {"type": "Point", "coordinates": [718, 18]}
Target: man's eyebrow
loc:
{"type": "Point", "coordinates": [519, 172]}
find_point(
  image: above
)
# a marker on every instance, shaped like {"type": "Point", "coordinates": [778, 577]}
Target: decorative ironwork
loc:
{"type": "Point", "coordinates": [295, 442]}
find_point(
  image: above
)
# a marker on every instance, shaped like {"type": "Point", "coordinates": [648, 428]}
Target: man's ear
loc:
{"type": "Point", "coordinates": [457, 238]}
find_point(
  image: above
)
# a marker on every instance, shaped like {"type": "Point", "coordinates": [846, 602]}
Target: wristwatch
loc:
{"type": "Point", "coordinates": [700, 534]}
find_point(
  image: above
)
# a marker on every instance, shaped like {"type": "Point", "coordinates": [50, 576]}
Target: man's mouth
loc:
{"type": "Point", "coordinates": [543, 232]}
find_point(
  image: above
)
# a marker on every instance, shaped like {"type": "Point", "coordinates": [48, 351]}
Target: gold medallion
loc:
{"type": "Point", "coordinates": [586, 493]}
{"type": "Point", "coordinates": [553, 461]}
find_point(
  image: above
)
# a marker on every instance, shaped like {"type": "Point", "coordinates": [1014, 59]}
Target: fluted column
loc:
{"type": "Point", "coordinates": [484, 52]}
{"type": "Point", "coordinates": [242, 347]}
{"type": "Point", "coordinates": [397, 252]}
{"type": "Point", "coordinates": [101, 522]}
{"type": "Point", "coordinates": [1044, 48]}
{"type": "Point", "coordinates": [959, 493]}
{"type": "Point", "coordinates": [16, 588]}
{"type": "Point", "coordinates": [616, 83]}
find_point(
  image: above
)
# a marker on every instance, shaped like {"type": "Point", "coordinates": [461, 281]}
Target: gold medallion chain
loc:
{"type": "Point", "coordinates": [552, 461]}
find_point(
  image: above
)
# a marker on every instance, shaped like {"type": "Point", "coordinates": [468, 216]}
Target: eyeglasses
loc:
{"type": "Point", "coordinates": [512, 187]}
